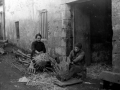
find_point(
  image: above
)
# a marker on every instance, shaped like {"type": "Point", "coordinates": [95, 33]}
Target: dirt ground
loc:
{"type": "Point", "coordinates": [9, 76]}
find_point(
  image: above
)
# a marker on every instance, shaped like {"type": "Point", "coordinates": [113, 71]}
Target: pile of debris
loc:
{"type": "Point", "coordinates": [22, 57]}
{"type": "Point", "coordinates": [94, 70]}
{"type": "Point", "coordinates": [21, 60]}
{"type": "Point", "coordinates": [42, 81]}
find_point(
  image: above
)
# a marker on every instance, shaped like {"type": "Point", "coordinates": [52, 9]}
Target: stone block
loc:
{"type": "Point", "coordinates": [65, 23]}
{"type": "Point", "coordinates": [116, 62]}
{"type": "Point", "coordinates": [110, 76]}
{"type": "Point", "coordinates": [64, 7]}
{"type": "Point", "coordinates": [66, 14]}
{"type": "Point", "coordinates": [57, 42]}
{"type": "Point", "coordinates": [64, 51]}
{"type": "Point", "coordinates": [116, 47]}
{"type": "Point", "coordinates": [60, 50]}
{"type": "Point", "coordinates": [56, 34]}
{"type": "Point", "coordinates": [116, 69]}
{"type": "Point", "coordinates": [63, 43]}
{"type": "Point", "coordinates": [116, 30]}
{"type": "Point", "coordinates": [63, 33]}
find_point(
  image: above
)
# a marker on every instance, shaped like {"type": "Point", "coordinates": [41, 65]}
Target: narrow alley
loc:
{"type": "Point", "coordinates": [10, 75]}
{"type": "Point", "coordinates": [59, 44]}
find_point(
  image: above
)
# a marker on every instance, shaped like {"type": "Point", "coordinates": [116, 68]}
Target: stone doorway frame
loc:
{"type": "Point", "coordinates": [68, 22]}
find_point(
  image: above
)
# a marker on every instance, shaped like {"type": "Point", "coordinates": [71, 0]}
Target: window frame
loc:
{"type": "Point", "coordinates": [17, 30]}
{"type": "Point", "coordinates": [43, 24]}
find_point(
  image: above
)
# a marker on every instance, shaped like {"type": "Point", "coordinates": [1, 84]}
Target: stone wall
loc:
{"type": "Point", "coordinates": [116, 34]}
{"type": "Point", "coordinates": [27, 13]}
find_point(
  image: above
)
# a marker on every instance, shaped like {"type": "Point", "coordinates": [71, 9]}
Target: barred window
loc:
{"type": "Point", "coordinates": [43, 24]}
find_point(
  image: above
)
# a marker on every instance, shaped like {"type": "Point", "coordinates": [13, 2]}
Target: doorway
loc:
{"type": "Point", "coordinates": [93, 28]}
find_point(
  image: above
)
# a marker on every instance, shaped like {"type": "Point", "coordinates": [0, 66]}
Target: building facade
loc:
{"type": "Point", "coordinates": [63, 23]}
{"type": "Point", "coordinates": [25, 18]}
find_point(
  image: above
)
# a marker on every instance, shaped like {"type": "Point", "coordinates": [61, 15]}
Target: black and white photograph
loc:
{"type": "Point", "coordinates": [59, 44]}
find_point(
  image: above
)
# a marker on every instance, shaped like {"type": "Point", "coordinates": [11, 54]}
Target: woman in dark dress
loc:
{"type": "Point", "coordinates": [38, 48]}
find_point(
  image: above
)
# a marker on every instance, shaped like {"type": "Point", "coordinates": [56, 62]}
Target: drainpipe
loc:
{"type": "Point", "coordinates": [73, 31]}
{"type": "Point", "coordinates": [4, 20]}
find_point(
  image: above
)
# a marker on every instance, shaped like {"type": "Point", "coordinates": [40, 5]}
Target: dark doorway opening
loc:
{"type": "Point", "coordinates": [93, 28]}
{"type": "Point", "coordinates": [101, 31]}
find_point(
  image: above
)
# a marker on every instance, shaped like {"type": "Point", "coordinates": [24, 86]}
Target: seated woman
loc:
{"type": "Point", "coordinates": [38, 55]}
{"type": "Point", "coordinates": [37, 46]}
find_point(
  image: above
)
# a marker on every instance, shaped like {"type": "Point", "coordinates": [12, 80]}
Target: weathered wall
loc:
{"type": "Point", "coordinates": [27, 13]}
{"type": "Point", "coordinates": [1, 8]}
{"type": "Point", "coordinates": [116, 34]}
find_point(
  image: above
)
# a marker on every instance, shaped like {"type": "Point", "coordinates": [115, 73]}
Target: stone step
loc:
{"type": "Point", "coordinates": [110, 76]}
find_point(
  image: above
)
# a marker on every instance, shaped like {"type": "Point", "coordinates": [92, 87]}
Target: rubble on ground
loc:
{"type": "Point", "coordinates": [23, 79]}
{"type": "Point", "coordinates": [43, 81]}
{"type": "Point", "coordinates": [43, 77]}
{"type": "Point", "coordinates": [3, 41]}
{"type": "Point", "coordinates": [94, 70]}
{"type": "Point", "coordinates": [2, 51]}
{"type": "Point", "coordinates": [19, 53]}
{"type": "Point", "coordinates": [21, 57]}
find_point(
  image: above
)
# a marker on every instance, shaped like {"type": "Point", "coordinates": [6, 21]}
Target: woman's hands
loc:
{"type": "Point", "coordinates": [38, 52]}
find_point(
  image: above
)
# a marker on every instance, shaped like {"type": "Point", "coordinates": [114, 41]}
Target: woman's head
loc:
{"type": "Point", "coordinates": [38, 37]}
{"type": "Point", "coordinates": [78, 47]}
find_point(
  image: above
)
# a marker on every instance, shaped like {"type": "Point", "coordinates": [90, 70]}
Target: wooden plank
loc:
{"type": "Point", "coordinates": [3, 41]}
{"type": "Point", "coordinates": [19, 66]}
{"type": "Point", "coordinates": [68, 83]}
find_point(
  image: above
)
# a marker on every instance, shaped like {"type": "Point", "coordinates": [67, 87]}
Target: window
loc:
{"type": "Point", "coordinates": [43, 24]}
{"type": "Point", "coordinates": [17, 30]}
